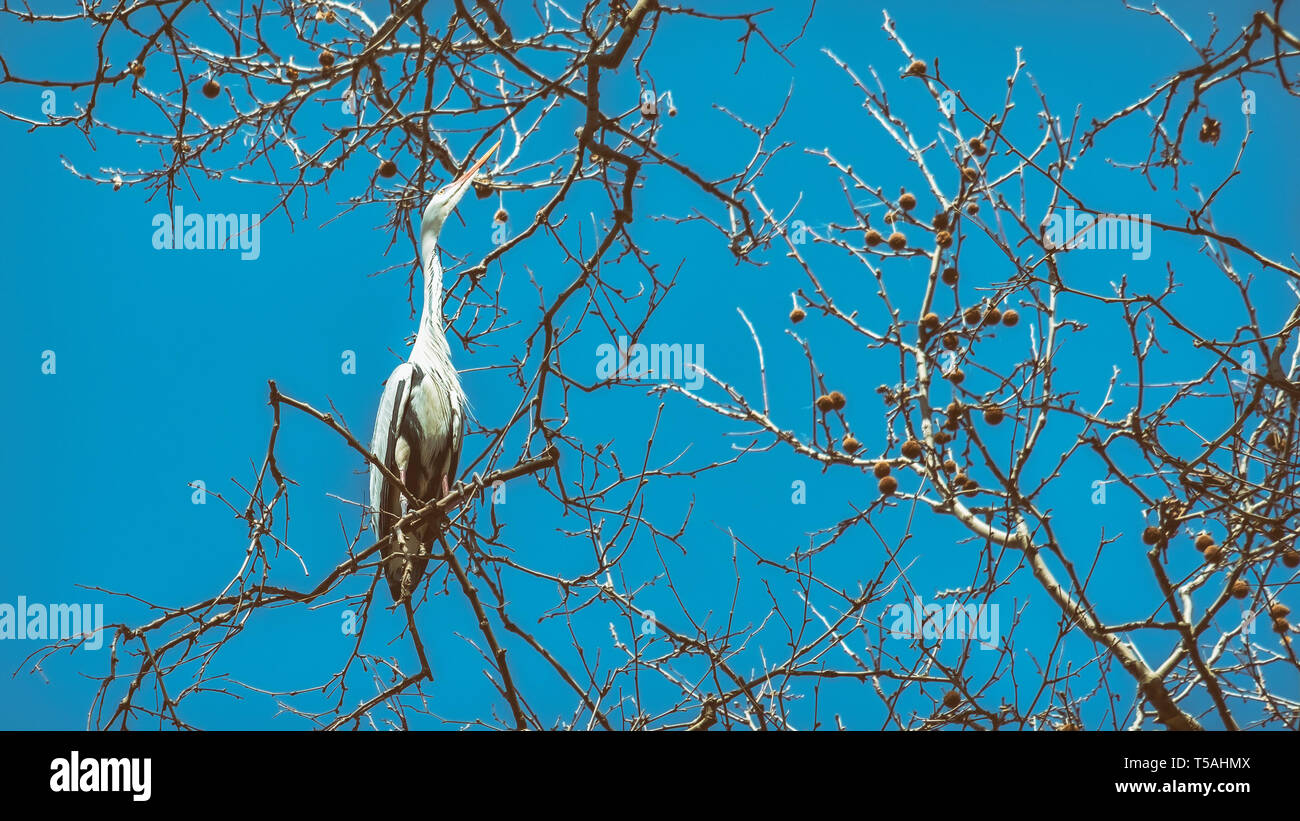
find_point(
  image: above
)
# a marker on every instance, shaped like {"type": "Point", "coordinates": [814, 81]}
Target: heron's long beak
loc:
{"type": "Point", "coordinates": [464, 179]}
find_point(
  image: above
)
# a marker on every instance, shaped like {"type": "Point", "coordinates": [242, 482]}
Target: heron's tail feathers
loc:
{"type": "Point", "coordinates": [404, 566]}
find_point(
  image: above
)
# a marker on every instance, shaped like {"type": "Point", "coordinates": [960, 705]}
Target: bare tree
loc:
{"type": "Point", "coordinates": [1194, 431]}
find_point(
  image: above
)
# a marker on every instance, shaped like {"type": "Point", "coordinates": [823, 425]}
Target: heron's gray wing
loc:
{"type": "Point", "coordinates": [455, 437]}
{"type": "Point", "coordinates": [430, 427]}
{"type": "Point", "coordinates": [385, 498]}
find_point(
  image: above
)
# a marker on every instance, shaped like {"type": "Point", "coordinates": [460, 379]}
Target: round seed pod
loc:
{"type": "Point", "coordinates": [838, 401]}
{"type": "Point", "coordinates": [211, 89]}
{"type": "Point", "coordinates": [1204, 540]}
{"type": "Point", "coordinates": [931, 321]}
{"type": "Point", "coordinates": [825, 404]}
{"type": "Point", "coordinates": [887, 486]}
{"type": "Point", "coordinates": [851, 444]}
{"type": "Point", "coordinates": [949, 466]}
{"type": "Point", "coordinates": [897, 241]}
{"type": "Point", "coordinates": [882, 469]}
{"type": "Point", "coordinates": [972, 316]}
{"type": "Point", "coordinates": [972, 208]}
{"type": "Point", "coordinates": [951, 699]}
{"type": "Point", "coordinates": [912, 449]}
{"type": "Point", "coordinates": [1010, 318]}
{"type": "Point", "coordinates": [970, 173]}
{"type": "Point", "coordinates": [1290, 558]}
{"type": "Point", "coordinates": [874, 237]}
{"type": "Point", "coordinates": [1240, 589]}
{"type": "Point", "coordinates": [993, 317]}
{"type": "Point", "coordinates": [956, 375]}
{"type": "Point", "coordinates": [950, 342]}
{"type": "Point", "coordinates": [387, 169]}
{"type": "Point", "coordinates": [326, 59]}
{"type": "Point", "coordinates": [1276, 441]}
{"type": "Point", "coordinates": [916, 68]}
{"type": "Point", "coordinates": [1213, 554]}
{"type": "Point", "coordinates": [959, 481]}
{"type": "Point", "coordinates": [943, 437]}
{"type": "Point", "coordinates": [797, 315]}
{"type": "Point", "coordinates": [940, 221]}
{"type": "Point", "coordinates": [949, 276]}
{"type": "Point", "coordinates": [976, 146]}
{"type": "Point", "coordinates": [1278, 611]}
{"type": "Point", "coordinates": [1281, 627]}
{"type": "Point", "coordinates": [943, 239]}
{"type": "Point", "coordinates": [907, 201]}
{"type": "Point", "coordinates": [1211, 130]}
{"type": "Point", "coordinates": [1152, 535]}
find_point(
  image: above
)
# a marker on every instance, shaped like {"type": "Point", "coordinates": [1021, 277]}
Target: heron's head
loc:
{"type": "Point", "coordinates": [444, 202]}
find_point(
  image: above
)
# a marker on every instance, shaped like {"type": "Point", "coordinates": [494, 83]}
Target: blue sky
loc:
{"type": "Point", "coordinates": [163, 356]}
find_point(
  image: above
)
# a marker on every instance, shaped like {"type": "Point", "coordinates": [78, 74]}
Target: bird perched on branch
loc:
{"type": "Point", "coordinates": [420, 424]}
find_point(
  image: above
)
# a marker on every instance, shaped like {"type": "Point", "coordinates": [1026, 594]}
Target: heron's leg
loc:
{"type": "Point", "coordinates": [401, 474]}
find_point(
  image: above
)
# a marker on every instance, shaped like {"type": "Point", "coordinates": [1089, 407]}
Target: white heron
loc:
{"type": "Point", "coordinates": [420, 424]}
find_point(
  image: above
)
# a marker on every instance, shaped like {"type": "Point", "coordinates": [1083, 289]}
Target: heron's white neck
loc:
{"type": "Point", "coordinates": [431, 340]}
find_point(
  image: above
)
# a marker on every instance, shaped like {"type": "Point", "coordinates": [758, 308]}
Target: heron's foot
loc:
{"type": "Point", "coordinates": [476, 481]}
